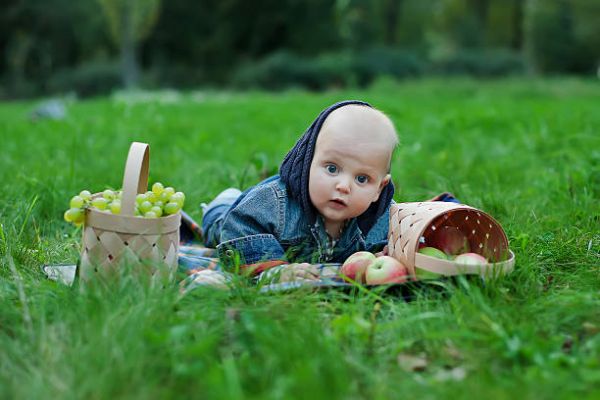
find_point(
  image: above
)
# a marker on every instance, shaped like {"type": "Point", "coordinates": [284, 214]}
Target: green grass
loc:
{"type": "Point", "coordinates": [528, 152]}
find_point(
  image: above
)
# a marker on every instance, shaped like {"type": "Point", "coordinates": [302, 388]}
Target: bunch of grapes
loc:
{"type": "Point", "coordinates": [155, 203]}
{"type": "Point", "coordinates": [159, 201]}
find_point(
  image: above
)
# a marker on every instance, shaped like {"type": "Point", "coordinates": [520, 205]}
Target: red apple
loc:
{"type": "Point", "coordinates": [355, 266]}
{"type": "Point", "coordinates": [386, 270]}
{"type": "Point", "coordinates": [470, 259]}
{"type": "Point", "coordinates": [450, 240]}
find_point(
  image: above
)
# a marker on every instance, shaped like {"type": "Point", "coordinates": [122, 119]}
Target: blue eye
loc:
{"type": "Point", "coordinates": [332, 169]}
{"type": "Point", "coordinates": [362, 179]}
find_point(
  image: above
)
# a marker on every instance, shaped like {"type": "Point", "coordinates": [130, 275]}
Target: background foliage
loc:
{"type": "Point", "coordinates": [59, 46]}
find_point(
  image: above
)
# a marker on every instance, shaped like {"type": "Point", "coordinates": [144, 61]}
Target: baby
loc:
{"type": "Point", "coordinates": [330, 199]}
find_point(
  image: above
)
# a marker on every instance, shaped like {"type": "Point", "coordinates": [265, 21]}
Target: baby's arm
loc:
{"type": "Point", "coordinates": [297, 272]}
{"type": "Point", "coordinates": [250, 231]}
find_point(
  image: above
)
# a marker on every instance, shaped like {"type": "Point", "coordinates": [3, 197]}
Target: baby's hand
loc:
{"type": "Point", "coordinates": [299, 272]}
{"type": "Point", "coordinates": [205, 277]}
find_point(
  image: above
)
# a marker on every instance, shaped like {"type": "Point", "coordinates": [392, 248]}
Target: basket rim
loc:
{"type": "Point", "coordinates": [132, 224]}
{"type": "Point", "coordinates": [459, 207]}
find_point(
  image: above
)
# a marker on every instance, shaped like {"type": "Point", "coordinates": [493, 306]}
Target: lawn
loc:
{"type": "Point", "coordinates": [525, 151]}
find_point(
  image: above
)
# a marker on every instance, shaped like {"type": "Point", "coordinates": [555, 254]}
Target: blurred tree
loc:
{"type": "Point", "coordinates": [461, 23]}
{"type": "Point", "coordinates": [503, 24]}
{"type": "Point", "coordinates": [38, 38]}
{"type": "Point", "coordinates": [200, 43]}
{"type": "Point", "coordinates": [517, 24]}
{"type": "Point", "coordinates": [475, 25]}
{"type": "Point", "coordinates": [130, 21]}
{"type": "Point", "coordinates": [61, 45]}
{"type": "Point", "coordinates": [586, 13]}
{"type": "Point", "coordinates": [392, 10]}
{"type": "Point", "coordinates": [562, 35]}
{"type": "Point", "coordinates": [414, 23]}
{"type": "Point", "coordinates": [356, 22]}
{"type": "Point", "coordinates": [480, 9]}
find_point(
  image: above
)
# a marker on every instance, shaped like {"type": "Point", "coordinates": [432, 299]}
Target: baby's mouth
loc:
{"type": "Point", "coordinates": [338, 203]}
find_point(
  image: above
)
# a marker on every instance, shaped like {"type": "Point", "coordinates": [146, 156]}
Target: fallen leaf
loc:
{"type": "Point", "coordinates": [452, 351]}
{"type": "Point", "coordinates": [455, 374]}
{"type": "Point", "coordinates": [590, 328]}
{"type": "Point", "coordinates": [411, 363]}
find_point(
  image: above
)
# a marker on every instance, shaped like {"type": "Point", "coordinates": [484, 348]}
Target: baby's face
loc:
{"type": "Point", "coordinates": [350, 164]}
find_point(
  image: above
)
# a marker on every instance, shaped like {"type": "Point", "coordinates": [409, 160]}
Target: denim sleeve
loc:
{"type": "Point", "coordinates": [250, 250]}
{"type": "Point", "coordinates": [251, 227]}
{"type": "Point", "coordinates": [377, 237]}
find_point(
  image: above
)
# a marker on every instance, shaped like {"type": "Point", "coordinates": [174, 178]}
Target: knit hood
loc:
{"type": "Point", "coordinates": [295, 169]}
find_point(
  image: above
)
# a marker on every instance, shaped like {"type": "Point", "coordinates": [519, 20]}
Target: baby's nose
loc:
{"type": "Point", "coordinates": [343, 186]}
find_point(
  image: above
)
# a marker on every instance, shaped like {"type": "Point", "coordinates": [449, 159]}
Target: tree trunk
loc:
{"type": "Point", "coordinates": [392, 15]}
{"type": "Point", "coordinates": [129, 62]}
{"type": "Point", "coordinates": [480, 8]}
{"type": "Point", "coordinates": [517, 37]}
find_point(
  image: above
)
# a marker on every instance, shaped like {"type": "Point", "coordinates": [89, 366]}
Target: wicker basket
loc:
{"type": "Point", "coordinates": [111, 241]}
{"type": "Point", "coordinates": [409, 222]}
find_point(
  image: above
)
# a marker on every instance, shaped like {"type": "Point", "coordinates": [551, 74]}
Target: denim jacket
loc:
{"type": "Point", "coordinates": [266, 224]}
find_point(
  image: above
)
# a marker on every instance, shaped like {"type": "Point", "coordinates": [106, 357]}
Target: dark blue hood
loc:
{"type": "Point", "coordinates": [295, 169]}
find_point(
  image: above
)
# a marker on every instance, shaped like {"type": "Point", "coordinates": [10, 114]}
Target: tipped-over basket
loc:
{"type": "Point", "coordinates": [411, 223]}
{"type": "Point", "coordinates": [111, 241]}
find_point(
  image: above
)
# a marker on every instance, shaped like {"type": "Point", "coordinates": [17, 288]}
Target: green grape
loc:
{"type": "Point", "coordinates": [157, 210]}
{"type": "Point", "coordinates": [159, 203]}
{"type": "Point", "coordinates": [151, 197]}
{"type": "Point", "coordinates": [119, 194]}
{"type": "Point", "coordinates": [178, 198]}
{"type": "Point", "coordinates": [75, 215]}
{"type": "Point", "coordinates": [145, 207]}
{"type": "Point", "coordinates": [137, 212]}
{"type": "Point", "coordinates": [170, 191]}
{"type": "Point", "coordinates": [100, 203]}
{"type": "Point", "coordinates": [67, 216]}
{"type": "Point", "coordinates": [150, 214]}
{"type": "Point", "coordinates": [140, 198]}
{"type": "Point", "coordinates": [108, 195]}
{"type": "Point", "coordinates": [164, 197]}
{"type": "Point", "coordinates": [171, 208]}
{"type": "Point", "coordinates": [85, 195]}
{"type": "Point", "coordinates": [115, 207]}
{"type": "Point", "coordinates": [76, 202]}
{"type": "Point", "coordinates": [158, 188]}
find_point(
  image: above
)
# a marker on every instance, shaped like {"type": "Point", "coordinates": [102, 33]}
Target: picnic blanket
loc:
{"type": "Point", "coordinates": [202, 267]}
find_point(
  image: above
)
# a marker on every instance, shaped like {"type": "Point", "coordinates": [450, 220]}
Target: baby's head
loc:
{"type": "Point", "coordinates": [351, 163]}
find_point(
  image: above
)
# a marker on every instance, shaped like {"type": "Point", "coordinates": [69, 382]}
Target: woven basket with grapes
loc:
{"type": "Point", "coordinates": [436, 238]}
{"type": "Point", "coordinates": [133, 227]}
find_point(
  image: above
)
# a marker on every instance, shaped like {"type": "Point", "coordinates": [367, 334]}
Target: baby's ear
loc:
{"type": "Point", "coordinates": [383, 184]}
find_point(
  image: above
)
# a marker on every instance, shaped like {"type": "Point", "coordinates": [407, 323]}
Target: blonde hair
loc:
{"type": "Point", "coordinates": [358, 114]}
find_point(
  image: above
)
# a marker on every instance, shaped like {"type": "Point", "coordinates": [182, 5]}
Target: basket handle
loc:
{"type": "Point", "coordinates": [135, 179]}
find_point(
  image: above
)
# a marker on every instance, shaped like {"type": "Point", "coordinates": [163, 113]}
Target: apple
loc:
{"type": "Point", "coordinates": [470, 259]}
{"type": "Point", "coordinates": [355, 266]}
{"type": "Point", "coordinates": [431, 252]}
{"type": "Point", "coordinates": [385, 270]}
{"type": "Point", "coordinates": [450, 240]}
